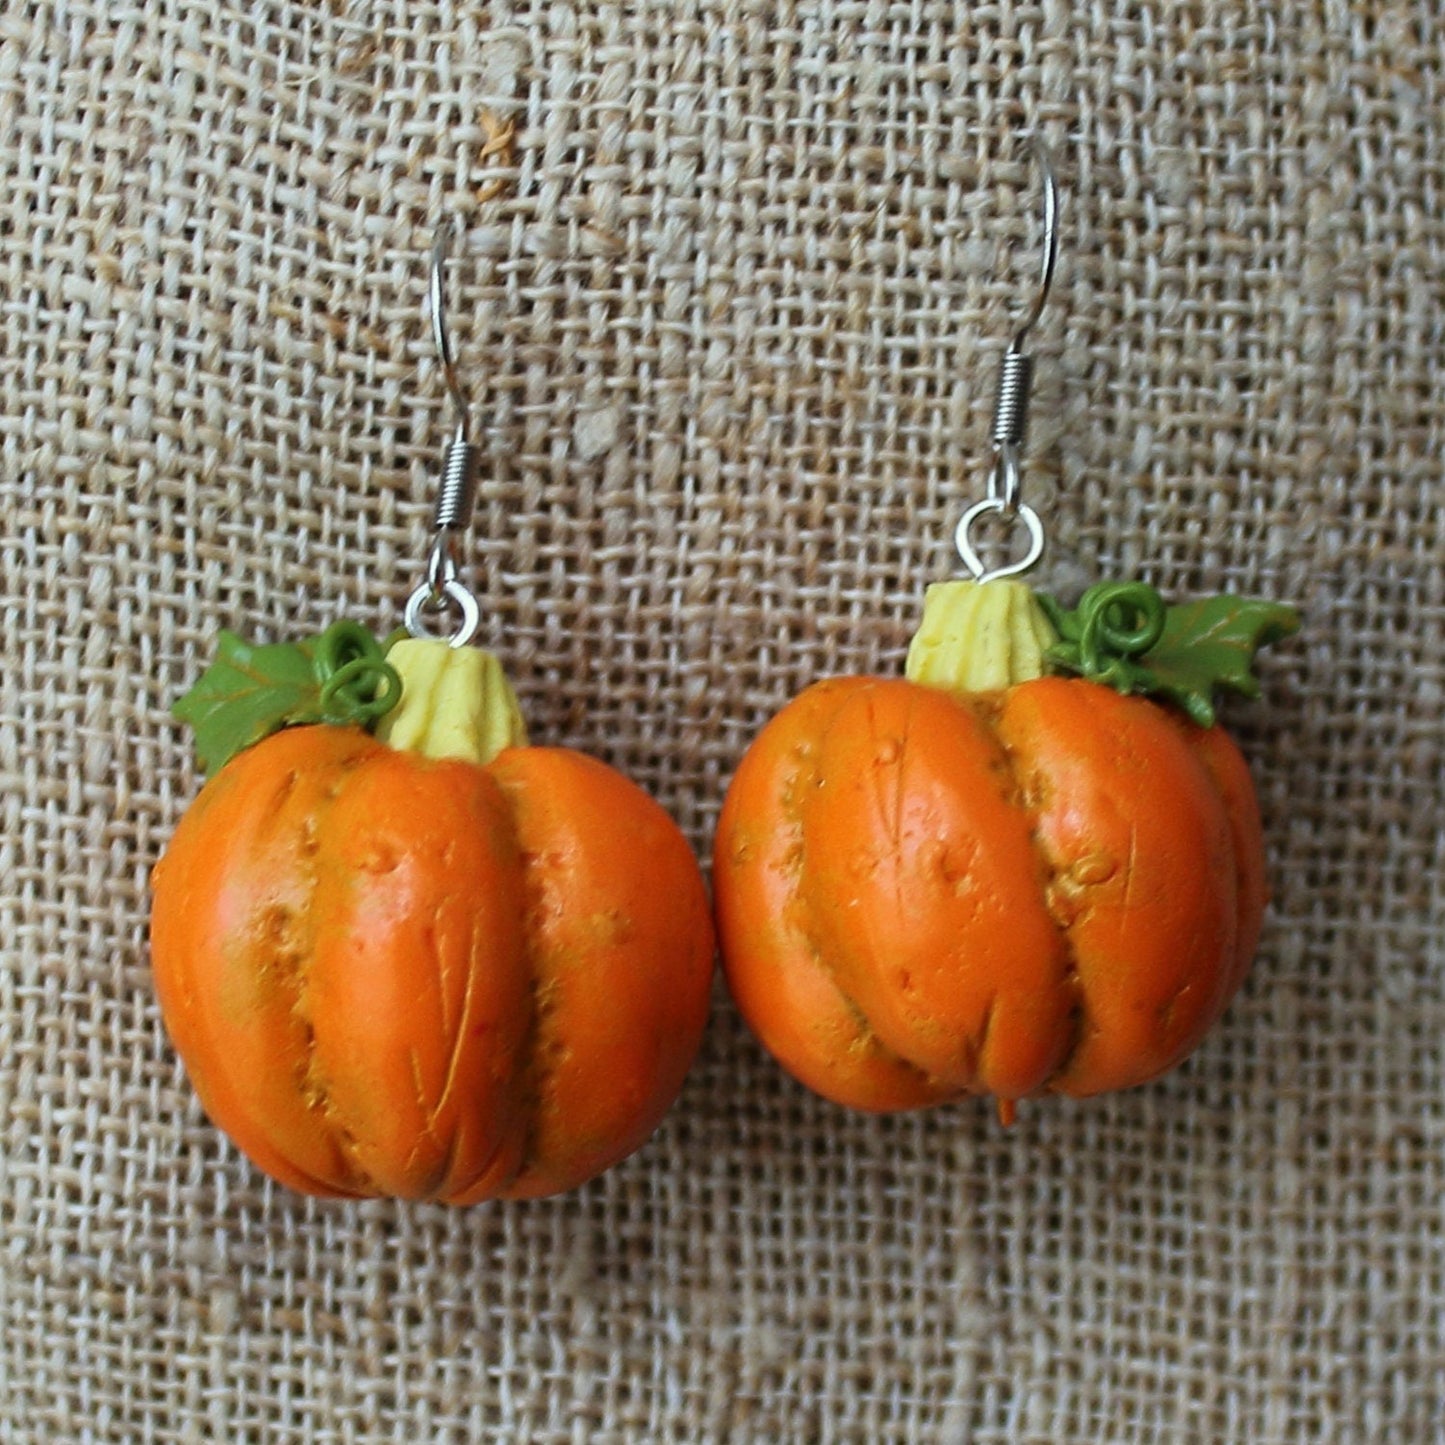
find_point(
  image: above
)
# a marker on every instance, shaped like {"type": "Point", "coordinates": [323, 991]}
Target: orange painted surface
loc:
{"type": "Point", "coordinates": [393, 976]}
{"type": "Point", "coordinates": [1053, 888]}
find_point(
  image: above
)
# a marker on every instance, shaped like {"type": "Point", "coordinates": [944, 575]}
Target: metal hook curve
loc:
{"type": "Point", "coordinates": [441, 336]}
{"type": "Point", "coordinates": [1045, 162]}
{"type": "Point", "coordinates": [1022, 515]}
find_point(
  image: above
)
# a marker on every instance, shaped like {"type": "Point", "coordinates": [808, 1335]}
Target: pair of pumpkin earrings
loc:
{"type": "Point", "coordinates": [403, 952]}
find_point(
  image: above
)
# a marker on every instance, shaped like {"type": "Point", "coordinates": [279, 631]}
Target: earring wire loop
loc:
{"type": "Point", "coordinates": [442, 587]}
{"type": "Point", "coordinates": [1011, 409]}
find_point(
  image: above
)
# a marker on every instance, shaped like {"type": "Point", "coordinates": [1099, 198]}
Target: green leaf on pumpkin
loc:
{"type": "Point", "coordinates": [253, 690]}
{"type": "Point", "coordinates": [1123, 635]}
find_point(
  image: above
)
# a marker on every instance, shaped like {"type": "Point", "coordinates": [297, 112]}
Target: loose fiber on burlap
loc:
{"type": "Point", "coordinates": [738, 276]}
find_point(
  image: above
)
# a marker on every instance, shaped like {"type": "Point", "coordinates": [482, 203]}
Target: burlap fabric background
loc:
{"type": "Point", "coordinates": [733, 319]}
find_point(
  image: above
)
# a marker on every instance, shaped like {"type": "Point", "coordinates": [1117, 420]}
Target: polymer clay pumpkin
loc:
{"type": "Point", "coordinates": [432, 963]}
{"type": "Point", "coordinates": [984, 879]}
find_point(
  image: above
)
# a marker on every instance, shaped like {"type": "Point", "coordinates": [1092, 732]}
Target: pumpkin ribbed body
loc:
{"type": "Point", "coordinates": [389, 975]}
{"type": "Point", "coordinates": [922, 896]}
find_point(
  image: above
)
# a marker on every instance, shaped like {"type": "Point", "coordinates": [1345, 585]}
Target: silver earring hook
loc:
{"type": "Point", "coordinates": [441, 335]}
{"type": "Point", "coordinates": [442, 586]}
{"type": "Point", "coordinates": [1011, 412]}
{"type": "Point", "coordinates": [1045, 163]}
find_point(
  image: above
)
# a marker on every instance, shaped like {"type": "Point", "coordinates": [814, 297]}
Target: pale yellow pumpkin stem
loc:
{"type": "Point", "coordinates": [979, 637]}
{"type": "Point", "coordinates": [456, 702]}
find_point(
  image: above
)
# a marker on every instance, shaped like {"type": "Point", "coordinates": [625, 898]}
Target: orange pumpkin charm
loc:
{"type": "Point", "coordinates": [987, 880]}
{"type": "Point", "coordinates": [435, 968]}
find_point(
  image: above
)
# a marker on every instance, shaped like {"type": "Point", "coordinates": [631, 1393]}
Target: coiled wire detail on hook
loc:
{"type": "Point", "coordinates": [443, 589]}
{"type": "Point", "coordinates": [1009, 431]}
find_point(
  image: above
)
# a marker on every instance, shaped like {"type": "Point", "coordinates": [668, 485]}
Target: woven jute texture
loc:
{"type": "Point", "coordinates": [737, 277]}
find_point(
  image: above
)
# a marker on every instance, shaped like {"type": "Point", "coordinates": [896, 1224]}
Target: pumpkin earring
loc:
{"type": "Point", "coordinates": [400, 951]}
{"type": "Point", "coordinates": [1033, 864]}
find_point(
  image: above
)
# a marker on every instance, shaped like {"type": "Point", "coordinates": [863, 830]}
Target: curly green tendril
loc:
{"type": "Point", "coordinates": [358, 685]}
{"type": "Point", "coordinates": [250, 690]}
{"type": "Point", "coordinates": [1123, 635]}
{"type": "Point", "coordinates": [1114, 623]}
